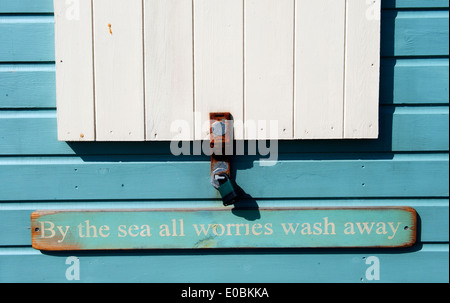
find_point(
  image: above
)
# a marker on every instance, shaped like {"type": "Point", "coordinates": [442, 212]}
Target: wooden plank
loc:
{"type": "Point", "coordinates": [27, 85]}
{"type": "Point", "coordinates": [414, 81]}
{"type": "Point", "coordinates": [15, 217]}
{"type": "Point", "coordinates": [405, 117]}
{"type": "Point", "coordinates": [415, 33]}
{"type": "Point", "coordinates": [27, 38]}
{"type": "Point", "coordinates": [74, 71]}
{"type": "Point", "coordinates": [218, 63]}
{"type": "Point", "coordinates": [362, 69]}
{"type": "Point", "coordinates": [54, 230]}
{"type": "Point", "coordinates": [285, 266]}
{"type": "Point", "coordinates": [119, 82]}
{"type": "Point", "coordinates": [168, 177]}
{"type": "Point", "coordinates": [269, 45]}
{"type": "Point", "coordinates": [319, 69]}
{"type": "Point", "coordinates": [169, 70]}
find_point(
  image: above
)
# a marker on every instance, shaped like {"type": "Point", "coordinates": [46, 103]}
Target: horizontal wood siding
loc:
{"type": "Point", "coordinates": [407, 166]}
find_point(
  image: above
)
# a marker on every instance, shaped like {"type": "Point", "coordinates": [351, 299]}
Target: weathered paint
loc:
{"type": "Point", "coordinates": [223, 228]}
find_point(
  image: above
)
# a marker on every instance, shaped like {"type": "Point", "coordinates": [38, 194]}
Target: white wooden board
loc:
{"type": "Point", "coordinates": [153, 70]}
{"type": "Point", "coordinates": [119, 70]}
{"type": "Point", "coordinates": [269, 68]}
{"type": "Point", "coordinates": [362, 65]}
{"type": "Point", "coordinates": [219, 61]}
{"type": "Point", "coordinates": [169, 89]}
{"type": "Point", "coordinates": [319, 71]}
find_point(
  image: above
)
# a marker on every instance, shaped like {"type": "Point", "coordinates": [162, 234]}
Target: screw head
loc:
{"type": "Point", "coordinates": [219, 128]}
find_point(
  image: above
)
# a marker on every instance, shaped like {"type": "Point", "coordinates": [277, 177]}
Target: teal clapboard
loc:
{"type": "Point", "coordinates": [216, 228]}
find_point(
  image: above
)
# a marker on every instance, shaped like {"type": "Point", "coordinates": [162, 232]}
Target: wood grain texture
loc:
{"type": "Point", "coordinates": [219, 61]}
{"type": "Point", "coordinates": [269, 54]}
{"type": "Point", "coordinates": [169, 70]}
{"type": "Point", "coordinates": [119, 70]}
{"type": "Point", "coordinates": [27, 38]}
{"type": "Point", "coordinates": [27, 85]}
{"type": "Point", "coordinates": [415, 33]}
{"type": "Point", "coordinates": [74, 71]}
{"type": "Point", "coordinates": [362, 69]}
{"type": "Point", "coordinates": [305, 176]}
{"type": "Point", "coordinates": [414, 81]}
{"type": "Point", "coordinates": [319, 69]}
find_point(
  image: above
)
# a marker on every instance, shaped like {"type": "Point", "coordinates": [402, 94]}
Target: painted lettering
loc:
{"type": "Point", "coordinates": [102, 230]}
{"type": "Point", "coordinates": [330, 225]}
{"type": "Point", "coordinates": [229, 229]}
{"type": "Point", "coordinates": [290, 228]}
{"type": "Point", "coordinates": [255, 229]}
{"type": "Point", "coordinates": [365, 227]}
{"type": "Point", "coordinates": [380, 228]}
{"type": "Point", "coordinates": [63, 233]}
{"type": "Point", "coordinates": [216, 227]}
{"type": "Point", "coordinates": [202, 229]}
{"type": "Point", "coordinates": [121, 231]}
{"type": "Point", "coordinates": [50, 229]}
{"type": "Point", "coordinates": [305, 228]}
{"type": "Point", "coordinates": [318, 228]}
{"type": "Point", "coordinates": [349, 228]}
{"type": "Point", "coordinates": [88, 230]}
{"type": "Point", "coordinates": [394, 231]}
{"type": "Point", "coordinates": [269, 229]}
{"type": "Point", "coordinates": [48, 226]}
{"type": "Point", "coordinates": [134, 231]}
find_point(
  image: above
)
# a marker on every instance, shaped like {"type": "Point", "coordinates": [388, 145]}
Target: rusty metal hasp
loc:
{"type": "Point", "coordinates": [221, 143]}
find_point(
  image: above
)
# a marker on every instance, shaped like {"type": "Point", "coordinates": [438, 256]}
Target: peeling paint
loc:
{"type": "Point", "coordinates": [206, 243]}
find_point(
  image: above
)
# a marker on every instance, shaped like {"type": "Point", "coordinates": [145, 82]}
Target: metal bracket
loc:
{"type": "Point", "coordinates": [221, 130]}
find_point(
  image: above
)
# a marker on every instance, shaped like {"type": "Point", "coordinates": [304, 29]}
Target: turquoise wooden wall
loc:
{"type": "Point", "coordinates": [407, 166]}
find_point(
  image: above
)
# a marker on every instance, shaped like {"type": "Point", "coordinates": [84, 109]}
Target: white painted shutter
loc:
{"type": "Point", "coordinates": [153, 70]}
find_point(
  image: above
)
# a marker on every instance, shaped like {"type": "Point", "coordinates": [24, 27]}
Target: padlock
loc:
{"type": "Point", "coordinates": [229, 191]}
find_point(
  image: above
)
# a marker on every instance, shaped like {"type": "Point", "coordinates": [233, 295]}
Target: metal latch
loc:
{"type": "Point", "coordinates": [221, 144]}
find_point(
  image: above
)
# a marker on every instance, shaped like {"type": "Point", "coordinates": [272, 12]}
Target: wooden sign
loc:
{"type": "Point", "coordinates": [217, 228]}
